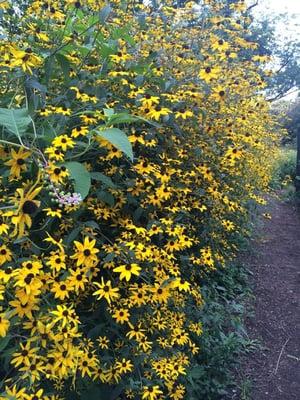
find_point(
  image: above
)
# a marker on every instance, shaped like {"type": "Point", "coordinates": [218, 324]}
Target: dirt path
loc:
{"type": "Point", "coordinates": [275, 370]}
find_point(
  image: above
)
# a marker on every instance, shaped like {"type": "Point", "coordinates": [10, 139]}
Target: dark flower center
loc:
{"type": "Point", "coordinates": [29, 278]}
{"type": "Point", "coordinates": [29, 207]}
{"type": "Point", "coordinates": [79, 277]}
{"type": "Point", "coordinates": [20, 161]}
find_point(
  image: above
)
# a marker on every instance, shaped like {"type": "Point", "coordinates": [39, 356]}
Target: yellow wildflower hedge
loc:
{"type": "Point", "coordinates": [134, 140]}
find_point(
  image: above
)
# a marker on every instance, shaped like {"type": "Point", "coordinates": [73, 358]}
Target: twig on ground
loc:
{"type": "Point", "coordinates": [293, 357]}
{"type": "Point", "coordinates": [280, 355]}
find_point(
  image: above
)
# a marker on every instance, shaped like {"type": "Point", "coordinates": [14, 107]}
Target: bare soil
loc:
{"type": "Point", "coordinates": [274, 370]}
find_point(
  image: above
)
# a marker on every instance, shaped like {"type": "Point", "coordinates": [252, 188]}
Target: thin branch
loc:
{"type": "Point", "coordinates": [282, 95]}
{"type": "Point", "coordinates": [280, 355]}
{"type": "Point", "coordinates": [252, 6]}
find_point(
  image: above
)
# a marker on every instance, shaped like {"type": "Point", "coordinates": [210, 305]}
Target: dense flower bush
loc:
{"type": "Point", "coordinates": [133, 139]}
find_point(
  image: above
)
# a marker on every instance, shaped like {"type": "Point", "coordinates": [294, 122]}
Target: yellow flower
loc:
{"type": "Point", "coordinates": [121, 315]}
{"type": "Point", "coordinates": [57, 174]}
{"type": "Point", "coordinates": [14, 392]}
{"type": "Point", "coordinates": [36, 396]}
{"type": "Point", "coordinates": [25, 355]}
{"type": "Point", "coordinates": [79, 131]}
{"type": "Point", "coordinates": [148, 100]}
{"type": "Point", "coordinates": [53, 213]}
{"type": "Point", "coordinates": [60, 290]}
{"type": "Point", "coordinates": [4, 5]}
{"type": "Point", "coordinates": [181, 285]}
{"type": "Point", "coordinates": [106, 290]}
{"type": "Point", "coordinates": [28, 280]}
{"type": "Point", "coordinates": [103, 342]}
{"type": "Point", "coordinates": [17, 162]}
{"type": "Point", "coordinates": [160, 293]}
{"type": "Point", "coordinates": [209, 73]}
{"type": "Point", "coordinates": [83, 96]}
{"type": "Point", "coordinates": [24, 59]}
{"type": "Point", "coordinates": [64, 142]}
{"type": "Point", "coordinates": [218, 93]}
{"type": "Point", "coordinates": [124, 366]}
{"type": "Point", "coordinates": [151, 392]}
{"type": "Point", "coordinates": [66, 316]}
{"type": "Point", "coordinates": [183, 113]}
{"type": "Point", "coordinates": [57, 243]}
{"type": "Point", "coordinates": [57, 260]}
{"type": "Point", "coordinates": [54, 153]}
{"type": "Point", "coordinates": [36, 30]}
{"type": "Point", "coordinates": [27, 206]}
{"type": "Point", "coordinates": [127, 270]}
{"type": "Point", "coordinates": [86, 252]}
{"type": "Point", "coordinates": [5, 254]}
{"type": "Point", "coordinates": [4, 325]}
{"type": "Point", "coordinates": [157, 112]}
{"type": "Point", "coordinates": [220, 45]}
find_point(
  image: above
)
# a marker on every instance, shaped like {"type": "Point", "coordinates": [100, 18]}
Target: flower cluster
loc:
{"type": "Point", "coordinates": [135, 142]}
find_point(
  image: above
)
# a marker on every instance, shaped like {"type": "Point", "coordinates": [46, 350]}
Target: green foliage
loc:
{"type": "Point", "coordinates": [224, 338]}
{"type": "Point", "coordinates": [80, 176]}
{"type": "Point", "coordinates": [284, 168]}
{"type": "Point", "coordinates": [117, 138]}
{"type": "Point", "coordinates": [15, 121]}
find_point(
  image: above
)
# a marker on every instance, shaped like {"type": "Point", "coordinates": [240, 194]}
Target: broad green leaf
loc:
{"type": "Point", "coordinates": [15, 121]}
{"type": "Point", "coordinates": [106, 198]}
{"type": "Point", "coordinates": [124, 118]}
{"type": "Point", "coordinates": [4, 342]}
{"type": "Point", "coordinates": [97, 176]}
{"type": "Point", "coordinates": [108, 112]}
{"type": "Point", "coordinates": [138, 118]}
{"type": "Point", "coordinates": [80, 176]}
{"type": "Point", "coordinates": [73, 235]}
{"type": "Point", "coordinates": [118, 139]}
{"type": "Point", "coordinates": [106, 51]}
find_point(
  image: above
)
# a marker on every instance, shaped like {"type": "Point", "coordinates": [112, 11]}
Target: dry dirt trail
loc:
{"type": "Point", "coordinates": [275, 369]}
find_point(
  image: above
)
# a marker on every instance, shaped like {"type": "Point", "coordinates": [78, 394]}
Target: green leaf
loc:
{"type": "Point", "coordinates": [64, 64]}
{"type": "Point", "coordinates": [97, 176]}
{"type": "Point", "coordinates": [80, 176]}
{"type": "Point", "coordinates": [106, 198]}
{"type": "Point", "coordinates": [118, 139]}
{"type": "Point", "coordinates": [108, 112]}
{"type": "Point", "coordinates": [72, 236]}
{"type": "Point", "coordinates": [4, 342]}
{"type": "Point", "coordinates": [15, 121]}
{"type": "Point", "coordinates": [122, 118]}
